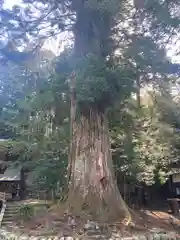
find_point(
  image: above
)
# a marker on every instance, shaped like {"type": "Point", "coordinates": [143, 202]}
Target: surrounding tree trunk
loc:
{"type": "Point", "coordinates": [138, 92]}
{"type": "Point", "coordinates": [92, 185]}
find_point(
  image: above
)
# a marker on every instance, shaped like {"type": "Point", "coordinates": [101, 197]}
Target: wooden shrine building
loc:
{"type": "Point", "coordinates": [12, 184]}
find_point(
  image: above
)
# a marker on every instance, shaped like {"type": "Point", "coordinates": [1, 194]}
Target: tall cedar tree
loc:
{"type": "Point", "coordinates": [95, 83]}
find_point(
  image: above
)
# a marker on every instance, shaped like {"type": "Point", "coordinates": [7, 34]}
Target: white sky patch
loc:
{"type": "Point", "coordinates": [11, 3]}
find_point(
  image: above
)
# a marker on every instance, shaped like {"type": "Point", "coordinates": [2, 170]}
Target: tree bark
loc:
{"type": "Point", "coordinates": [92, 184]}
{"type": "Point", "coordinates": [138, 92]}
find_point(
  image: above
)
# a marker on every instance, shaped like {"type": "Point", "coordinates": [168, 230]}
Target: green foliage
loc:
{"type": "Point", "coordinates": [26, 212]}
{"type": "Point", "coordinates": [99, 84]}
{"type": "Point", "coordinates": [47, 137]}
{"type": "Point", "coordinates": [143, 143]}
{"type": "Point", "coordinates": [40, 126]}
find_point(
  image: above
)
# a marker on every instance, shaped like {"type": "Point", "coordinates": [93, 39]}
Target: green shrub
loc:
{"type": "Point", "coordinates": [26, 212]}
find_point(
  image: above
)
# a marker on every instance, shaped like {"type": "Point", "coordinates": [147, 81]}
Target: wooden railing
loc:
{"type": "Point", "coordinates": [2, 212]}
{"type": "Point", "coordinates": [3, 208]}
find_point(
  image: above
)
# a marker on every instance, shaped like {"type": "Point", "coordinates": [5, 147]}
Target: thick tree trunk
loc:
{"type": "Point", "coordinates": [92, 185]}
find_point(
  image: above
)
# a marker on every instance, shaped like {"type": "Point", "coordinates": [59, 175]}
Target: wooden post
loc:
{"type": "Point", "coordinates": [174, 205]}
